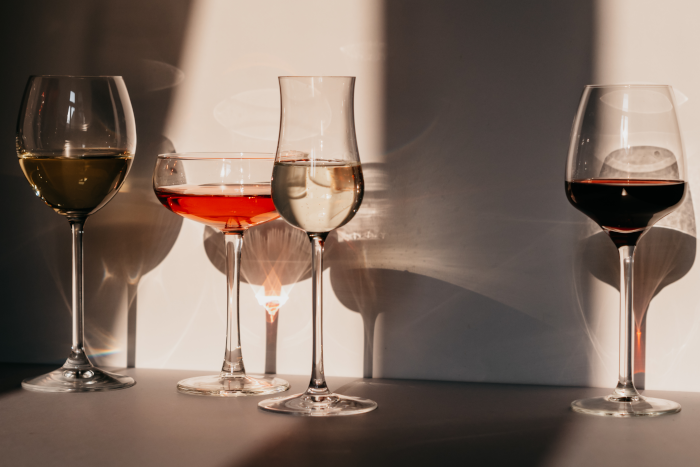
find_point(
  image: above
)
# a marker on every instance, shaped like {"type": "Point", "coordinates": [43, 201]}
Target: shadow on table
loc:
{"type": "Point", "coordinates": [12, 374]}
{"type": "Point", "coordinates": [428, 423]}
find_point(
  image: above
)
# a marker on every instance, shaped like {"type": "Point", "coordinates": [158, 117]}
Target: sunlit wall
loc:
{"type": "Point", "coordinates": [229, 101]}
{"type": "Point", "coordinates": [650, 42]}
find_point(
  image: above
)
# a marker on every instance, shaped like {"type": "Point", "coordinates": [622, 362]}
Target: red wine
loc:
{"type": "Point", "coordinates": [625, 209]}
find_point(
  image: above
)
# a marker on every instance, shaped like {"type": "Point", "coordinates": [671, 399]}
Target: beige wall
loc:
{"type": "Point", "coordinates": [465, 261]}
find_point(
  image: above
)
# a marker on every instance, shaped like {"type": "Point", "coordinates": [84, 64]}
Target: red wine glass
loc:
{"type": "Point", "coordinates": [231, 193]}
{"type": "Point", "coordinates": [626, 171]}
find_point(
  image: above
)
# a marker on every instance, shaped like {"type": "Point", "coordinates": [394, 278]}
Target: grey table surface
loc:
{"type": "Point", "coordinates": [417, 423]}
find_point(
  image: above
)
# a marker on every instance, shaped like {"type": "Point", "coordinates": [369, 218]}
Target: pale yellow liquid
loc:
{"type": "Point", "coordinates": [76, 185]}
{"type": "Point", "coordinates": [317, 196]}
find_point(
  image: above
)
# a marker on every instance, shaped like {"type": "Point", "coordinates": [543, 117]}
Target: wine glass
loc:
{"type": "Point", "coordinates": [75, 142]}
{"type": "Point", "coordinates": [231, 193]}
{"type": "Point", "coordinates": [626, 171]}
{"type": "Point", "coordinates": [317, 186]}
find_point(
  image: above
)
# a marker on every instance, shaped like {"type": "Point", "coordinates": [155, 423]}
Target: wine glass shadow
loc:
{"type": "Point", "coordinates": [128, 237]}
{"type": "Point", "coordinates": [358, 286]}
{"type": "Point", "coordinates": [133, 233]}
{"type": "Point", "coordinates": [130, 240]}
{"type": "Point", "coordinates": [664, 255]}
{"type": "Point", "coordinates": [425, 326]}
{"type": "Point", "coordinates": [275, 256]}
{"type": "Point", "coordinates": [432, 329]}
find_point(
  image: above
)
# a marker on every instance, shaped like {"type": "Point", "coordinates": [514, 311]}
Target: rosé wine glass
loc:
{"type": "Point", "coordinates": [231, 193]}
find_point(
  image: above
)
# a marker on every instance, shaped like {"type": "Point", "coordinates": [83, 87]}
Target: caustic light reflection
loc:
{"type": "Point", "coordinates": [639, 352]}
{"type": "Point", "coordinates": [271, 295]}
{"type": "Point", "coordinates": [275, 257]}
{"type": "Point", "coordinates": [106, 343]}
{"type": "Point", "coordinates": [103, 352]}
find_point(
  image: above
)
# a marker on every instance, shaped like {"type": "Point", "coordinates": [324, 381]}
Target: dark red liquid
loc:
{"type": "Point", "coordinates": [625, 209]}
{"type": "Point", "coordinates": [226, 208]}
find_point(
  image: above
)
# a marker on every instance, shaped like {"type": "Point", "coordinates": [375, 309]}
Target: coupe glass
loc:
{"type": "Point", "coordinates": [75, 141]}
{"type": "Point", "coordinates": [231, 193]}
{"type": "Point", "coordinates": [317, 186]}
{"type": "Point", "coordinates": [626, 171]}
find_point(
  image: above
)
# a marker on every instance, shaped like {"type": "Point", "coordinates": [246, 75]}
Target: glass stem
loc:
{"type": "Point", "coordinates": [233, 359]}
{"type": "Point", "coordinates": [78, 359]}
{"type": "Point", "coordinates": [317, 386]}
{"type": "Point", "coordinates": [625, 390]}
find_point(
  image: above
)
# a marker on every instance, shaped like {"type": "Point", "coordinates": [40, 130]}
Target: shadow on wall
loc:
{"type": "Point", "coordinates": [460, 258]}
{"type": "Point", "coordinates": [140, 41]}
{"type": "Point", "coordinates": [275, 256]}
{"type": "Point", "coordinates": [663, 256]}
{"type": "Point", "coordinates": [440, 331]}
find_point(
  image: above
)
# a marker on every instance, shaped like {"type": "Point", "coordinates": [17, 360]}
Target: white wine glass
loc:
{"type": "Point", "coordinates": [317, 187]}
{"type": "Point", "coordinates": [76, 139]}
{"type": "Point", "coordinates": [626, 170]}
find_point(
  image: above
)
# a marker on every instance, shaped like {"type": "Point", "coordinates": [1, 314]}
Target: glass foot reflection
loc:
{"type": "Point", "coordinates": [215, 385]}
{"type": "Point", "coordinates": [644, 407]}
{"type": "Point", "coordinates": [318, 406]}
{"type": "Point", "coordinates": [71, 380]}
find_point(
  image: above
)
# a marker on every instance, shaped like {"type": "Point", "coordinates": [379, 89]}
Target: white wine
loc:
{"type": "Point", "coordinates": [76, 185]}
{"type": "Point", "coordinates": [317, 196]}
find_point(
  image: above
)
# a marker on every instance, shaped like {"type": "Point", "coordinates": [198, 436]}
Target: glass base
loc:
{"type": "Point", "coordinates": [215, 385]}
{"type": "Point", "coordinates": [318, 406]}
{"type": "Point", "coordinates": [70, 380]}
{"type": "Point", "coordinates": [644, 407]}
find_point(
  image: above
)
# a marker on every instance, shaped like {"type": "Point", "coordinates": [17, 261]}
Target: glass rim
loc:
{"type": "Point", "coordinates": [319, 76]}
{"type": "Point", "coordinates": [221, 155]}
{"type": "Point", "coordinates": [623, 85]}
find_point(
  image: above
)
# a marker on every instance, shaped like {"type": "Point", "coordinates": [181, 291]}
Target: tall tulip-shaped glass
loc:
{"type": "Point", "coordinates": [317, 187]}
{"type": "Point", "coordinates": [626, 170]}
{"type": "Point", "coordinates": [231, 193]}
{"type": "Point", "coordinates": [76, 139]}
